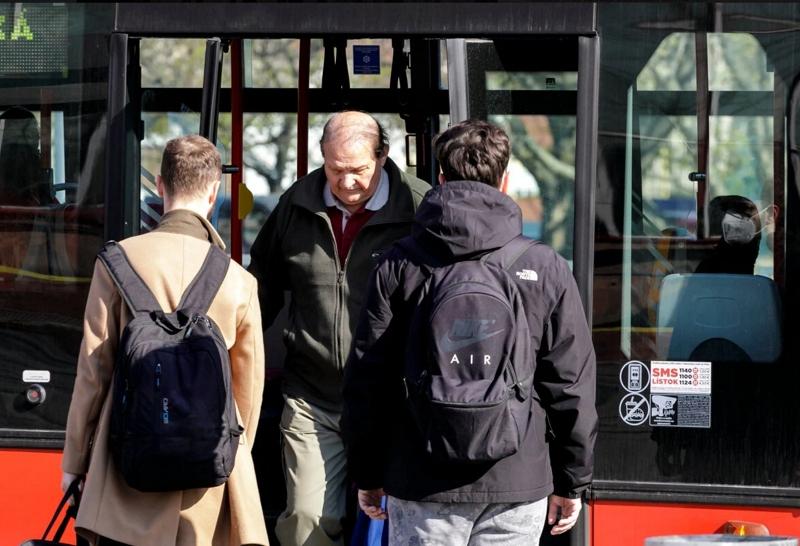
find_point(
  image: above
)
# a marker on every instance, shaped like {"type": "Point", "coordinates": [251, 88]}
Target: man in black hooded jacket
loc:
{"type": "Point", "coordinates": [435, 502]}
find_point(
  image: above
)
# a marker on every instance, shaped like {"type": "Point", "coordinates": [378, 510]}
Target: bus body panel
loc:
{"type": "Point", "coordinates": [622, 523]}
{"type": "Point", "coordinates": [29, 493]}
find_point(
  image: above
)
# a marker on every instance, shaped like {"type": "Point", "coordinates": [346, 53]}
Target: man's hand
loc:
{"type": "Point", "coordinates": [66, 481]}
{"type": "Point", "coordinates": [562, 514]}
{"type": "Point", "coordinates": [370, 503]}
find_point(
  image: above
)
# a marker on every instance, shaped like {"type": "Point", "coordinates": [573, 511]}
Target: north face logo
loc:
{"type": "Point", "coordinates": [466, 332]}
{"type": "Point", "coordinates": [527, 275]}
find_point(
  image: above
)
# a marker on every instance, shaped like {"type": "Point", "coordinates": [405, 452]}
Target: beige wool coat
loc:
{"type": "Point", "coordinates": [167, 259]}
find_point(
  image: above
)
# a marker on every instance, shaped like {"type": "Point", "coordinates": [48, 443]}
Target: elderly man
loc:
{"type": "Point", "coordinates": [167, 259]}
{"type": "Point", "coordinates": [320, 244]}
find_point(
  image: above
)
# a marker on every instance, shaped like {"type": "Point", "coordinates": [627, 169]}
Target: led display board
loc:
{"type": "Point", "coordinates": [33, 39]}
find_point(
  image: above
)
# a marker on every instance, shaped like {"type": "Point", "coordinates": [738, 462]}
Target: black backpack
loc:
{"type": "Point", "coordinates": [469, 364]}
{"type": "Point", "coordinates": [173, 419]}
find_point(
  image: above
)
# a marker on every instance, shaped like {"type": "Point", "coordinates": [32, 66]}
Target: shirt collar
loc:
{"type": "Point", "coordinates": [376, 202]}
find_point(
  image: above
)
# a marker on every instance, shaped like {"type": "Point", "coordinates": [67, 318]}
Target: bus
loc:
{"type": "Point", "coordinates": [655, 146]}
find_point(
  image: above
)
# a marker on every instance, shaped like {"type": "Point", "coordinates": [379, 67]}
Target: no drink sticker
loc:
{"type": "Point", "coordinates": [634, 409]}
{"type": "Point", "coordinates": [680, 393]}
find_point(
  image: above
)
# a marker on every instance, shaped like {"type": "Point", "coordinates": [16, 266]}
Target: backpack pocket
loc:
{"type": "Point", "coordinates": [468, 431]}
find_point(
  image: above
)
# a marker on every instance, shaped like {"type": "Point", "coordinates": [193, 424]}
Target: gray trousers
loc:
{"type": "Point", "coordinates": [465, 524]}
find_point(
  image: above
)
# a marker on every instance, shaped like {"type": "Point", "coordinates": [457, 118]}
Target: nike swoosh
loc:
{"type": "Point", "coordinates": [450, 346]}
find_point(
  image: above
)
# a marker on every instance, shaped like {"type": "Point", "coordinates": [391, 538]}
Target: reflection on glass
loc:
{"type": "Point", "coordinates": [177, 62]}
{"type": "Point", "coordinates": [668, 154]}
{"type": "Point", "coordinates": [542, 176]}
{"type": "Point", "coordinates": [648, 245]}
{"type": "Point", "coordinates": [531, 81]}
{"type": "Point", "coordinates": [52, 184]}
{"type": "Point", "coordinates": [671, 67]}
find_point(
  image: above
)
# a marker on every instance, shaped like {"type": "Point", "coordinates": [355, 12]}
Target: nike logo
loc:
{"type": "Point", "coordinates": [466, 332]}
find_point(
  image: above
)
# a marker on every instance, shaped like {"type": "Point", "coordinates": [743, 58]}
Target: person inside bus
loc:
{"type": "Point", "coordinates": [738, 224]}
{"type": "Point", "coordinates": [320, 244]}
{"type": "Point", "coordinates": [167, 259]}
{"type": "Point", "coordinates": [694, 454]}
{"type": "Point", "coordinates": [23, 182]}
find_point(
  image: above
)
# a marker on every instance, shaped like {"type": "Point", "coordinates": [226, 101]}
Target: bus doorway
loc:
{"type": "Point", "coordinates": [413, 89]}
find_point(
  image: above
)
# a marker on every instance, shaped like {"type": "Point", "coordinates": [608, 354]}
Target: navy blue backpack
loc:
{"type": "Point", "coordinates": [173, 418]}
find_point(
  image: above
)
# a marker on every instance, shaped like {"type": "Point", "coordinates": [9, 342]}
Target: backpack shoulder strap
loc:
{"type": "Point", "coordinates": [205, 285]}
{"type": "Point", "coordinates": [508, 254]}
{"type": "Point", "coordinates": [134, 291]}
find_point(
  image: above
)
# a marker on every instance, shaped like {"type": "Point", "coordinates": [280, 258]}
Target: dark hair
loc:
{"type": "Point", "coordinates": [377, 134]}
{"type": "Point", "coordinates": [189, 164]}
{"type": "Point", "coordinates": [473, 150]}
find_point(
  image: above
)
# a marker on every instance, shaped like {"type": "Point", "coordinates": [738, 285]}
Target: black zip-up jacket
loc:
{"type": "Point", "coordinates": [295, 251]}
{"type": "Point", "coordinates": [456, 221]}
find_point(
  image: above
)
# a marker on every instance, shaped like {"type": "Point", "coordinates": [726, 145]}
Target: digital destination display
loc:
{"type": "Point", "coordinates": [33, 39]}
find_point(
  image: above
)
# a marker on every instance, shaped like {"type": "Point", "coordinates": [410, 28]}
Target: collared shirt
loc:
{"type": "Point", "coordinates": [346, 224]}
{"type": "Point", "coordinates": [376, 202]}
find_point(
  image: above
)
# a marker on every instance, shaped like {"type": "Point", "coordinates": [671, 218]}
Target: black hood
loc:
{"type": "Point", "coordinates": [460, 219]}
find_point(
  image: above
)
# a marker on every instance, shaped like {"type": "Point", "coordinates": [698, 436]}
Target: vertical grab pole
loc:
{"type": "Point", "coordinates": [237, 146]}
{"type": "Point", "coordinates": [703, 136]}
{"type": "Point", "coordinates": [302, 107]}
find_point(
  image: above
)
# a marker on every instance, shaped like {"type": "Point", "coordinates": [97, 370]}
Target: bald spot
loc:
{"type": "Point", "coordinates": [350, 128]}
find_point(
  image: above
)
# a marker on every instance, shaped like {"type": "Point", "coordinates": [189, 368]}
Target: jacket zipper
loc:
{"type": "Point", "coordinates": [341, 268]}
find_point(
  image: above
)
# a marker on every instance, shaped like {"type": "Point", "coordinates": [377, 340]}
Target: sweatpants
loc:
{"type": "Point", "coordinates": [465, 524]}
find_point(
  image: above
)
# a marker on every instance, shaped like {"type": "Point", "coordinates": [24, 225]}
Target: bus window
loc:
{"type": "Point", "coordinates": [53, 84]}
{"type": "Point", "coordinates": [167, 114]}
{"type": "Point", "coordinates": [690, 275]}
{"type": "Point", "coordinates": [533, 98]}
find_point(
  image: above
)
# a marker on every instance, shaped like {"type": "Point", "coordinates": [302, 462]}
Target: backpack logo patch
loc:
{"type": "Point", "coordinates": [466, 332]}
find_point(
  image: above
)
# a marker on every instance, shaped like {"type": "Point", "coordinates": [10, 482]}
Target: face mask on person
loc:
{"type": "Point", "coordinates": [738, 229]}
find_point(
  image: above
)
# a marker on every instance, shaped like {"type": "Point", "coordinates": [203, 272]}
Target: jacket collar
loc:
{"type": "Point", "coordinates": [398, 207]}
{"type": "Point", "coordinates": [186, 222]}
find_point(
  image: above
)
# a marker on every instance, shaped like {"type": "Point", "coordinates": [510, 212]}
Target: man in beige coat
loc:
{"type": "Point", "coordinates": [167, 259]}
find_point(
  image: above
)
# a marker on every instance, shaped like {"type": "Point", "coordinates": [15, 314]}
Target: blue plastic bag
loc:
{"type": "Point", "coordinates": [370, 532]}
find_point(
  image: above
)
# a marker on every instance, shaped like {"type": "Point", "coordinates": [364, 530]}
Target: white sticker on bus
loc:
{"type": "Point", "coordinates": [36, 376]}
{"type": "Point", "coordinates": [680, 377]}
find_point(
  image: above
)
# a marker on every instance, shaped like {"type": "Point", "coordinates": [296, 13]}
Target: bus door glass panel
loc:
{"type": "Point", "coordinates": [686, 266]}
{"type": "Point", "coordinates": [53, 85]}
{"type": "Point", "coordinates": [172, 91]}
{"type": "Point", "coordinates": [533, 98]}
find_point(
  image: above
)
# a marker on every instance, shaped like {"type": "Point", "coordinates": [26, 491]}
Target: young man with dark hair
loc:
{"type": "Point", "coordinates": [320, 245]}
{"type": "Point", "coordinates": [167, 259]}
{"type": "Point", "coordinates": [441, 499]}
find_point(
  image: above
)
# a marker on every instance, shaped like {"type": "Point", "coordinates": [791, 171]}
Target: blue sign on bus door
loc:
{"type": "Point", "coordinates": [366, 59]}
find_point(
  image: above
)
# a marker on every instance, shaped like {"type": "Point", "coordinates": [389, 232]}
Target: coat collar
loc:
{"type": "Point", "coordinates": [398, 208]}
{"type": "Point", "coordinates": [186, 222]}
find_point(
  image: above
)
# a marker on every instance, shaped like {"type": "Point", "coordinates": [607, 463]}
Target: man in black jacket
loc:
{"type": "Point", "coordinates": [444, 502]}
